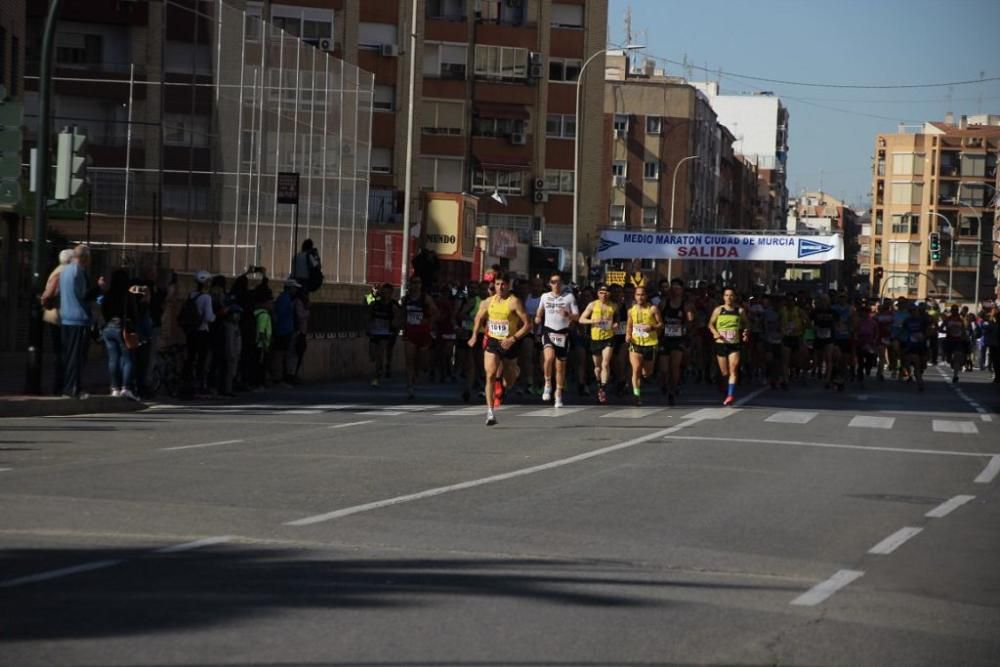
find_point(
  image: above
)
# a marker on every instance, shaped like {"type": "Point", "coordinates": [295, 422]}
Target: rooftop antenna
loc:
{"type": "Point", "coordinates": [628, 25]}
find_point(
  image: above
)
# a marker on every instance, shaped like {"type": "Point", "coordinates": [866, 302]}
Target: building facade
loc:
{"type": "Point", "coordinates": [821, 213]}
{"type": "Point", "coordinates": [14, 273]}
{"type": "Point", "coordinates": [938, 178]}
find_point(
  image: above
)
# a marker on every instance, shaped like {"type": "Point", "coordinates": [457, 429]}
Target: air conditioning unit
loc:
{"type": "Point", "coordinates": [535, 58]}
{"type": "Point", "coordinates": [619, 181]}
{"type": "Point", "coordinates": [518, 139]}
{"type": "Point", "coordinates": [535, 71]}
{"type": "Point", "coordinates": [540, 196]}
{"type": "Point", "coordinates": [390, 51]}
{"type": "Point", "coordinates": [539, 184]}
{"type": "Point", "coordinates": [325, 44]}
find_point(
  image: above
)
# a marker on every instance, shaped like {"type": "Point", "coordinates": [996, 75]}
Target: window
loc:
{"type": "Point", "coordinates": [966, 254]}
{"type": "Point", "coordinates": [501, 62]}
{"type": "Point", "coordinates": [973, 164]}
{"type": "Point", "coordinates": [905, 224]}
{"type": "Point", "coordinates": [617, 215]}
{"type": "Point", "coordinates": [968, 226]}
{"type": "Point", "coordinates": [311, 24]}
{"type": "Point", "coordinates": [651, 170]}
{"type": "Point", "coordinates": [73, 48]}
{"type": "Point", "coordinates": [521, 224]}
{"type": "Point", "coordinates": [186, 130]}
{"type": "Point", "coordinates": [442, 117]}
{"type": "Point", "coordinates": [559, 181]}
{"type": "Point", "coordinates": [973, 194]}
{"type": "Point", "coordinates": [510, 12]}
{"type": "Point", "coordinates": [564, 69]}
{"type": "Point", "coordinates": [621, 124]}
{"type": "Point", "coordinates": [904, 252]}
{"type": "Point", "coordinates": [566, 16]}
{"type": "Point", "coordinates": [907, 164]}
{"type": "Point", "coordinates": [496, 127]}
{"type": "Point", "coordinates": [441, 174]}
{"type": "Point", "coordinates": [381, 205]}
{"type": "Point", "coordinates": [374, 35]}
{"type": "Point", "coordinates": [505, 182]}
{"type": "Point", "coordinates": [907, 192]}
{"type": "Point", "coordinates": [619, 168]}
{"type": "Point", "coordinates": [445, 61]}
{"type": "Point", "coordinates": [653, 124]}
{"type": "Point", "coordinates": [385, 98]}
{"type": "Point", "coordinates": [252, 25]}
{"type": "Point", "coordinates": [649, 215]}
{"type": "Point", "coordinates": [560, 126]}
{"type": "Point", "coordinates": [381, 160]}
{"type": "Point", "coordinates": [878, 252]}
{"type": "Point", "coordinates": [448, 10]}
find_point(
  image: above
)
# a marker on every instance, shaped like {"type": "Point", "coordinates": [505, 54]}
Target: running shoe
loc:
{"type": "Point", "coordinates": [375, 382]}
{"type": "Point", "coordinates": [638, 402]}
{"type": "Point", "coordinates": [559, 402]}
{"type": "Point", "coordinates": [491, 420]}
{"type": "Point", "coordinates": [466, 396]}
{"type": "Point", "coordinates": [547, 395]}
{"type": "Point", "coordinates": [116, 393]}
{"type": "Point", "coordinates": [729, 400]}
{"type": "Point", "coordinates": [497, 393]}
{"type": "Point", "coordinates": [954, 378]}
{"type": "Point", "coordinates": [670, 399]}
{"type": "Point", "coordinates": [602, 396]}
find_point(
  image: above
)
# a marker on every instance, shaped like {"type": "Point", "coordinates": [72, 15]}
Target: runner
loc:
{"type": "Point", "coordinates": [886, 350]}
{"type": "Point", "coordinates": [824, 319]}
{"type": "Point", "coordinates": [383, 319]}
{"type": "Point", "coordinates": [774, 350]}
{"type": "Point", "coordinates": [756, 345]}
{"type": "Point", "coordinates": [420, 313]}
{"type": "Point", "coordinates": [602, 316]}
{"type": "Point", "coordinates": [899, 317]}
{"type": "Point", "coordinates": [956, 342]}
{"type": "Point", "coordinates": [444, 339]}
{"type": "Point", "coordinates": [728, 326]}
{"type": "Point", "coordinates": [623, 298]}
{"type": "Point", "coordinates": [843, 340]}
{"type": "Point", "coordinates": [557, 310]}
{"type": "Point", "coordinates": [507, 324]}
{"type": "Point", "coordinates": [936, 342]}
{"type": "Point", "coordinates": [792, 329]}
{"type": "Point", "coordinates": [470, 360]}
{"type": "Point", "coordinates": [677, 317]}
{"type": "Point", "coordinates": [642, 335]}
{"type": "Point", "coordinates": [866, 343]}
{"type": "Point", "coordinates": [918, 328]}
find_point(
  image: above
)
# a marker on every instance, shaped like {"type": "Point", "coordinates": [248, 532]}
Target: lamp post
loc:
{"type": "Point", "coordinates": [408, 167]}
{"type": "Point", "coordinates": [576, 149]}
{"type": "Point", "coordinates": [673, 191]}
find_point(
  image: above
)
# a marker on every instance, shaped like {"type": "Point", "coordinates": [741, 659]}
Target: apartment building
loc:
{"type": "Point", "coordinates": [817, 212]}
{"type": "Point", "coordinates": [14, 272]}
{"type": "Point", "coordinates": [939, 177]}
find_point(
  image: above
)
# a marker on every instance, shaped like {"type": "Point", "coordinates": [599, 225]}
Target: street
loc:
{"type": "Point", "coordinates": [341, 525]}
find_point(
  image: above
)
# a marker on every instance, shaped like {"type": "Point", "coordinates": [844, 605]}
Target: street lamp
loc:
{"type": "Point", "coordinates": [576, 146]}
{"type": "Point", "coordinates": [673, 191]}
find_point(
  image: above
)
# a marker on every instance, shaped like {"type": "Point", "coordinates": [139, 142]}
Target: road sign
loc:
{"type": "Point", "coordinates": [288, 187]}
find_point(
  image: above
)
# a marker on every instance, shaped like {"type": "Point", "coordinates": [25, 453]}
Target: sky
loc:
{"type": "Point", "coordinates": [859, 42]}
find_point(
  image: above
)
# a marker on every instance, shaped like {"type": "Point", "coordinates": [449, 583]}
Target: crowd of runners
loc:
{"type": "Point", "coordinates": [530, 337]}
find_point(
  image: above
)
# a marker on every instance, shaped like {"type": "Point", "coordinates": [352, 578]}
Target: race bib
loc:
{"type": "Point", "coordinates": [603, 325]}
{"type": "Point", "coordinates": [414, 317]}
{"type": "Point", "coordinates": [728, 335]}
{"type": "Point", "coordinates": [558, 339]}
{"type": "Point", "coordinates": [673, 330]}
{"type": "Point", "coordinates": [499, 328]}
{"type": "Point", "coordinates": [916, 337]}
{"type": "Point", "coordinates": [640, 331]}
{"type": "Point", "coordinates": [822, 332]}
{"type": "Point", "coordinates": [380, 327]}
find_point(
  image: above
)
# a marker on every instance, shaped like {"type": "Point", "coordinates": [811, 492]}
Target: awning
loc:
{"type": "Point", "coordinates": [505, 111]}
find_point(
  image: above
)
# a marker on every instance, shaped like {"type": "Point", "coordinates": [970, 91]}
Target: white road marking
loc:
{"type": "Point", "coordinates": [304, 411]}
{"type": "Point", "coordinates": [946, 426]}
{"type": "Point", "coordinates": [381, 413]}
{"type": "Point", "coordinates": [863, 421]}
{"type": "Point", "coordinates": [204, 444]}
{"type": "Point", "coordinates": [552, 412]}
{"type": "Point", "coordinates": [367, 421]}
{"type": "Point", "coordinates": [469, 412]}
{"type": "Point", "coordinates": [802, 443]}
{"type": "Point", "coordinates": [894, 541]}
{"type": "Point", "coordinates": [711, 413]}
{"type": "Point", "coordinates": [398, 500]}
{"type": "Point", "coordinates": [5, 469]}
{"type": "Point", "coordinates": [61, 572]}
{"type": "Point", "coordinates": [197, 544]}
{"type": "Point", "coordinates": [990, 472]}
{"type": "Point", "coordinates": [825, 589]}
{"type": "Point", "coordinates": [984, 414]}
{"type": "Point", "coordinates": [415, 408]}
{"type": "Point", "coordinates": [631, 413]}
{"type": "Point", "coordinates": [948, 506]}
{"type": "Point", "coordinates": [792, 417]}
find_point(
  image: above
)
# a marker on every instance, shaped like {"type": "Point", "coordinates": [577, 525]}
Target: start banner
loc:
{"type": "Point", "coordinates": [620, 244]}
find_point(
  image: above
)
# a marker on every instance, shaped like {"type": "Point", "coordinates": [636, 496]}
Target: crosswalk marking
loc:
{"type": "Point", "coordinates": [792, 417]}
{"type": "Point", "coordinates": [469, 412]}
{"type": "Point", "coordinates": [711, 413]}
{"type": "Point", "coordinates": [414, 408]}
{"type": "Point", "coordinates": [946, 426]}
{"type": "Point", "coordinates": [631, 413]}
{"type": "Point", "coordinates": [381, 413]}
{"type": "Point", "coordinates": [862, 421]}
{"type": "Point", "coordinates": [552, 412]}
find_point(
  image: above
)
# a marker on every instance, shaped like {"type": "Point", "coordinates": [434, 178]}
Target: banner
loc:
{"type": "Point", "coordinates": [619, 244]}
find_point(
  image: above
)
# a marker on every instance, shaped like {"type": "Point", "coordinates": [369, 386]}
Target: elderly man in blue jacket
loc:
{"type": "Point", "coordinates": [75, 297]}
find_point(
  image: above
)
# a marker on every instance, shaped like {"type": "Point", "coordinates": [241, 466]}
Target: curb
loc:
{"type": "Point", "coordinates": [62, 407]}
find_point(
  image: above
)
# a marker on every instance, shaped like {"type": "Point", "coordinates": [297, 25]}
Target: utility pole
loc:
{"type": "Point", "coordinates": [33, 379]}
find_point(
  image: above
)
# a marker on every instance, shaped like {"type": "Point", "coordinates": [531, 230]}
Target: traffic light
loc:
{"type": "Point", "coordinates": [71, 164]}
{"type": "Point", "coordinates": [935, 247]}
{"type": "Point", "coordinates": [11, 113]}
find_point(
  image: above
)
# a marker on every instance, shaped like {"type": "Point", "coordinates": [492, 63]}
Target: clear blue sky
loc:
{"type": "Point", "coordinates": [871, 42]}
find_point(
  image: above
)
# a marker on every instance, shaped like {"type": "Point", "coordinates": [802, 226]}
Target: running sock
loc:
{"type": "Point", "coordinates": [636, 391]}
{"type": "Point", "coordinates": [731, 390]}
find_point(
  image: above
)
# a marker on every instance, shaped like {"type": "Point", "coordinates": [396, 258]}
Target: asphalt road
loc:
{"type": "Point", "coordinates": [345, 526]}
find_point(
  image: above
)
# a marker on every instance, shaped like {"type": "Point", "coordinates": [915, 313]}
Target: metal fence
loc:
{"type": "Point", "coordinates": [186, 147]}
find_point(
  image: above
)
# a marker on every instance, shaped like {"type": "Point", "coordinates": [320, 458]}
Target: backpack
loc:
{"type": "Point", "coordinates": [315, 279]}
{"type": "Point", "coordinates": [189, 318]}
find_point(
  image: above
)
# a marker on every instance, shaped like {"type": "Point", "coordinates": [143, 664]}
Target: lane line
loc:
{"type": "Point", "coordinates": [429, 493]}
{"type": "Point", "coordinates": [61, 572]}
{"type": "Point", "coordinates": [791, 417]}
{"type": "Point", "coordinates": [896, 540]}
{"type": "Point", "coordinates": [360, 423]}
{"type": "Point", "coordinates": [864, 421]}
{"type": "Point", "coordinates": [197, 544]}
{"type": "Point", "coordinates": [825, 589]}
{"type": "Point", "coordinates": [949, 506]}
{"type": "Point", "coordinates": [984, 414]}
{"type": "Point", "coordinates": [5, 469]}
{"type": "Point", "coordinates": [802, 443]}
{"type": "Point", "coordinates": [947, 426]}
{"type": "Point", "coordinates": [990, 472]}
{"type": "Point", "coordinates": [204, 444]}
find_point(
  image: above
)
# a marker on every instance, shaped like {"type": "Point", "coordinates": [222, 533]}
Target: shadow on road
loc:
{"type": "Point", "coordinates": [151, 592]}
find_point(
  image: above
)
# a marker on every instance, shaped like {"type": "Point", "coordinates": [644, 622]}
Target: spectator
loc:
{"type": "Point", "coordinates": [120, 313]}
{"type": "Point", "coordinates": [991, 338]}
{"type": "Point", "coordinates": [307, 269]}
{"type": "Point", "coordinates": [233, 346]}
{"type": "Point", "coordinates": [284, 330]}
{"type": "Point", "coordinates": [426, 266]}
{"type": "Point", "coordinates": [195, 318]}
{"type": "Point", "coordinates": [50, 302]}
{"type": "Point", "coordinates": [264, 339]}
{"type": "Point", "coordinates": [218, 363]}
{"type": "Point", "coordinates": [301, 329]}
{"type": "Point", "coordinates": [75, 297]}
